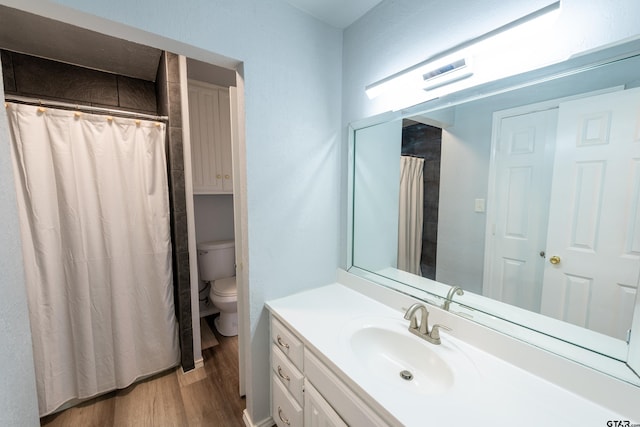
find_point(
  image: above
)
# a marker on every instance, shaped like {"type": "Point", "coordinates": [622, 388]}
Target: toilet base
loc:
{"type": "Point", "coordinates": [227, 324]}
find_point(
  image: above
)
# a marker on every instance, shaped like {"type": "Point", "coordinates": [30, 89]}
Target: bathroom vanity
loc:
{"type": "Point", "coordinates": [340, 357]}
{"type": "Point", "coordinates": [296, 401]}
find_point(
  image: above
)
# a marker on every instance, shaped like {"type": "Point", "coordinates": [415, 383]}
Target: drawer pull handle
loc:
{"type": "Point", "coordinates": [283, 376]}
{"type": "Point", "coordinates": [283, 419]}
{"type": "Point", "coordinates": [282, 344]}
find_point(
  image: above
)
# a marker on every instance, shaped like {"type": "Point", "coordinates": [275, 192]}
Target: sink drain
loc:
{"type": "Point", "coordinates": [406, 375]}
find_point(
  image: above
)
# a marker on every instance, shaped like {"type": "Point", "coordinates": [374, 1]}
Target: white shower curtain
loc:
{"type": "Point", "coordinates": [94, 217]}
{"type": "Point", "coordinates": [411, 212]}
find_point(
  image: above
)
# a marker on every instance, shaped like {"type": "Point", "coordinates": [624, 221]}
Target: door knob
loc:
{"type": "Point", "coordinates": [554, 260]}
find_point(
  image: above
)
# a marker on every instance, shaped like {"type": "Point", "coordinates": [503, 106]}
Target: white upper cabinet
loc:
{"type": "Point", "coordinates": [210, 129]}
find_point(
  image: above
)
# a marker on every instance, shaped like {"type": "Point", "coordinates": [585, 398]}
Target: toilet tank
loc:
{"type": "Point", "coordinates": [216, 260]}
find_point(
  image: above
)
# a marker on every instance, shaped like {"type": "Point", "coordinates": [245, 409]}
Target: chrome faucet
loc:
{"type": "Point", "coordinates": [410, 315]}
{"type": "Point", "coordinates": [422, 329]}
{"type": "Point", "coordinates": [454, 290]}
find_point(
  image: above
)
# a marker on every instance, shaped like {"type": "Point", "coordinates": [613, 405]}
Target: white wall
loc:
{"type": "Point", "coordinates": [464, 174]}
{"type": "Point", "coordinates": [292, 70]}
{"type": "Point", "coordinates": [376, 209]}
{"type": "Point", "coordinates": [214, 217]}
{"type": "Point", "coordinates": [18, 401]}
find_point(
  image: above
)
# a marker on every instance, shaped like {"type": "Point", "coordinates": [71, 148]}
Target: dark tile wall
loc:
{"type": "Point", "coordinates": [169, 104]}
{"type": "Point", "coordinates": [29, 76]}
{"type": "Point", "coordinates": [425, 141]}
{"type": "Point", "coordinates": [33, 77]}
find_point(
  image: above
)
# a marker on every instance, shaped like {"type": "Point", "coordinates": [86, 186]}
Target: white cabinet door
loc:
{"type": "Point", "coordinates": [594, 221]}
{"type": "Point", "coordinates": [317, 412]}
{"type": "Point", "coordinates": [210, 130]}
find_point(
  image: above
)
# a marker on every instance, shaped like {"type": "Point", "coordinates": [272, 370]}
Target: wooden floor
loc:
{"type": "Point", "coordinates": [203, 397]}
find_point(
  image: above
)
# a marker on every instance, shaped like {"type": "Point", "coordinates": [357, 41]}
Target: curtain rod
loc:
{"type": "Point", "coordinates": [83, 108]}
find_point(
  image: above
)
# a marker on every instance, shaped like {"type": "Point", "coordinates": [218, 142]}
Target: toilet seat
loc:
{"type": "Point", "coordinates": [225, 287]}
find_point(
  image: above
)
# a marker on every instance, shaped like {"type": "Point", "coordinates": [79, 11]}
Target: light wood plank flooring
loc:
{"type": "Point", "coordinates": [202, 397]}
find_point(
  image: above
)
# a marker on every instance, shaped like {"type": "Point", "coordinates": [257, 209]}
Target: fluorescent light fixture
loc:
{"type": "Point", "coordinates": [425, 76]}
{"type": "Point", "coordinates": [446, 72]}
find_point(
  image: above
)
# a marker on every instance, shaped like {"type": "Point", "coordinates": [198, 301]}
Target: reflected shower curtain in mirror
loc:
{"type": "Point", "coordinates": [411, 212]}
{"type": "Point", "coordinates": [94, 216]}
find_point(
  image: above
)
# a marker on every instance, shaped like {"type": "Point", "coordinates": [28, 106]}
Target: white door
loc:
{"type": "Point", "coordinates": [594, 220]}
{"type": "Point", "coordinates": [523, 164]}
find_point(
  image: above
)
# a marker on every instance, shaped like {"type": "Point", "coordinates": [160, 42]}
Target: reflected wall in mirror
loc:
{"type": "Point", "coordinates": [531, 198]}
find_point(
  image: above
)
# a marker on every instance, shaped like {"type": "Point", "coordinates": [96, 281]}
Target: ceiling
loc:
{"type": "Point", "coordinates": [337, 13]}
{"type": "Point", "coordinates": [46, 38]}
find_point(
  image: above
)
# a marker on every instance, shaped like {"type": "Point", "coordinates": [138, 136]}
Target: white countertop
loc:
{"type": "Point", "coordinates": [500, 394]}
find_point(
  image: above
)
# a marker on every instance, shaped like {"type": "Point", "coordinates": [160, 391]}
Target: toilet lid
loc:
{"type": "Point", "coordinates": [225, 287]}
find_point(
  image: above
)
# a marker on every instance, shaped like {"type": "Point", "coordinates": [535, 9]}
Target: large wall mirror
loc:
{"type": "Point", "coordinates": [525, 193]}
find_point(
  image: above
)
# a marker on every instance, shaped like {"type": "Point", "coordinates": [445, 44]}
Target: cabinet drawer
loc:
{"type": "Point", "coordinates": [287, 342]}
{"type": "Point", "coordinates": [285, 410]}
{"type": "Point", "coordinates": [290, 377]}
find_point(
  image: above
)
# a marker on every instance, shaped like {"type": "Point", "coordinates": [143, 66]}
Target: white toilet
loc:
{"type": "Point", "coordinates": [216, 263]}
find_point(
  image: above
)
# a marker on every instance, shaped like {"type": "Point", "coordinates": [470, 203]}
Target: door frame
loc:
{"type": "Point", "coordinates": [239, 172]}
{"type": "Point", "coordinates": [240, 221]}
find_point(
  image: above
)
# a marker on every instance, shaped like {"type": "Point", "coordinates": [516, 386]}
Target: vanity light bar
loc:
{"type": "Point", "coordinates": [450, 66]}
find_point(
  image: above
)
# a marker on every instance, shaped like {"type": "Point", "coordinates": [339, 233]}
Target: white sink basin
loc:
{"type": "Point", "coordinates": [399, 360]}
{"type": "Point", "coordinates": [389, 354]}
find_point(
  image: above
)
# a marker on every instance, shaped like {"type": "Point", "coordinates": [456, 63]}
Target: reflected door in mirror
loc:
{"type": "Point", "coordinates": [523, 166]}
{"type": "Point", "coordinates": [594, 220]}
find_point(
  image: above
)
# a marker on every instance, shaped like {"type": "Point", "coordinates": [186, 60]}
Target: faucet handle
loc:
{"type": "Point", "coordinates": [435, 332]}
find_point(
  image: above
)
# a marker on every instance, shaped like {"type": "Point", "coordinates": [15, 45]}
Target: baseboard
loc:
{"type": "Point", "coordinates": [268, 422]}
